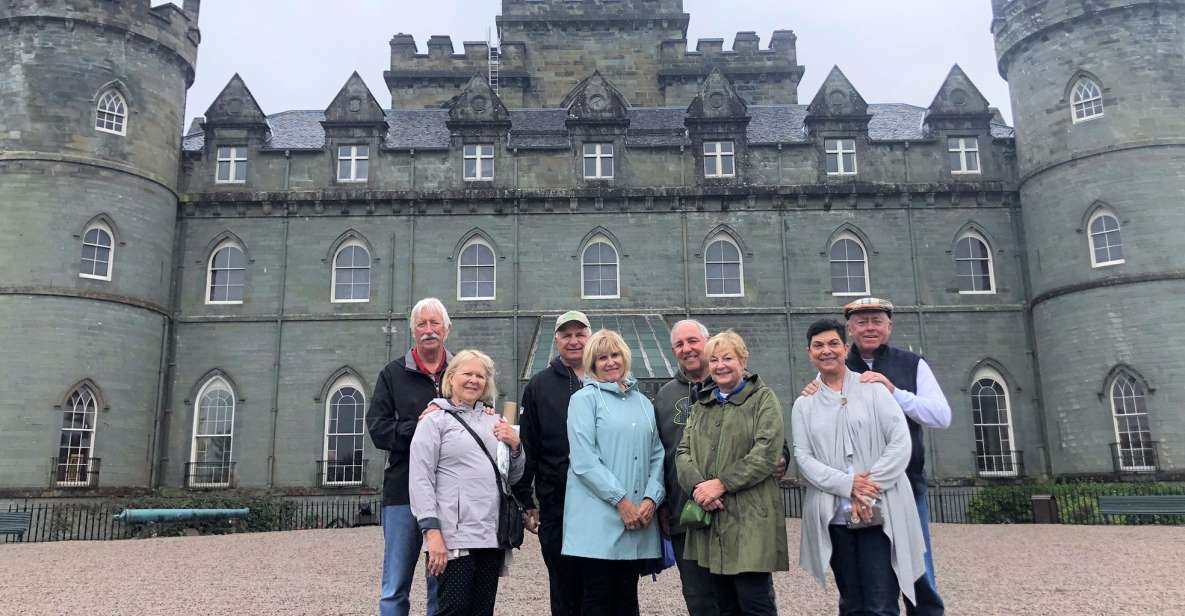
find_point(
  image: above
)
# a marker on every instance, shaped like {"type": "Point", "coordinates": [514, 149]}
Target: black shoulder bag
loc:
{"type": "Point", "coordinates": [510, 512]}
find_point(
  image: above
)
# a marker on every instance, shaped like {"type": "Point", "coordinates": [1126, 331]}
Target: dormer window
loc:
{"type": "Point", "coordinates": [719, 159]}
{"type": "Point", "coordinates": [479, 162]}
{"type": "Point", "coordinates": [598, 161]}
{"type": "Point", "coordinates": [353, 163]}
{"type": "Point", "coordinates": [964, 154]}
{"type": "Point", "coordinates": [841, 156]}
{"type": "Point", "coordinates": [232, 165]}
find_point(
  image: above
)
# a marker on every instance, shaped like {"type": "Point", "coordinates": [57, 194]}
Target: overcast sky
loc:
{"type": "Point", "coordinates": [296, 54]}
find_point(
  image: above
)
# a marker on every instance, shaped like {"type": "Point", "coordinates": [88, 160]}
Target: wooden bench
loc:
{"type": "Point", "coordinates": [1161, 504]}
{"type": "Point", "coordinates": [15, 522]}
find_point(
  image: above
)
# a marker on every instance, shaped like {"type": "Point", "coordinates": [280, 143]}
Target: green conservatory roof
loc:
{"type": "Point", "coordinates": [646, 334]}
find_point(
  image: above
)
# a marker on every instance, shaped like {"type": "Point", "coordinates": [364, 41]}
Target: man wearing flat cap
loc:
{"type": "Point", "coordinates": [908, 377]}
{"type": "Point", "coordinates": [544, 433]}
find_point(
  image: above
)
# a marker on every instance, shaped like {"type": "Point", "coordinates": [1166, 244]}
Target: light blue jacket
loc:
{"type": "Point", "coordinates": [615, 453]}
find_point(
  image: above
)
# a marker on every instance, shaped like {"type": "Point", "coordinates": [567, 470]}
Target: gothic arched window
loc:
{"type": "Point", "coordinates": [476, 271]}
{"type": "Point", "coordinates": [345, 434]}
{"type": "Point", "coordinates": [1086, 101]}
{"type": "Point", "coordinates": [598, 270]}
{"type": "Point", "coordinates": [724, 274]}
{"type": "Point", "coordinates": [226, 274]}
{"type": "Point", "coordinates": [991, 414]}
{"type": "Point", "coordinates": [849, 266]}
{"type": "Point", "coordinates": [351, 273]}
{"type": "Point", "coordinates": [97, 252]}
{"type": "Point", "coordinates": [111, 113]}
{"type": "Point", "coordinates": [210, 459]}
{"type": "Point", "coordinates": [973, 264]}
{"type": "Point", "coordinates": [1134, 449]}
{"type": "Point", "coordinates": [75, 465]}
{"type": "Point", "coordinates": [1106, 241]}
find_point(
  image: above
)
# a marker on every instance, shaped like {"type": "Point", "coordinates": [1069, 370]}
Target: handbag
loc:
{"type": "Point", "coordinates": [693, 516]}
{"type": "Point", "coordinates": [878, 518]}
{"type": "Point", "coordinates": [510, 511]}
{"type": "Point", "coordinates": [655, 566]}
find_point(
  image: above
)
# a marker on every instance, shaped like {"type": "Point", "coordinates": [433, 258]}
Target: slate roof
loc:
{"type": "Point", "coordinates": [545, 129]}
{"type": "Point", "coordinates": [647, 336]}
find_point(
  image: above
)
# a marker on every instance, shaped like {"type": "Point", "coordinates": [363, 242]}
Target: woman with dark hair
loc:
{"type": "Point", "coordinates": [852, 445]}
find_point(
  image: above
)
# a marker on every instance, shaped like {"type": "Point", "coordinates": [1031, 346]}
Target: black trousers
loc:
{"type": "Point", "coordinates": [862, 563]}
{"type": "Point", "coordinates": [610, 586]}
{"type": "Point", "coordinates": [563, 576]}
{"type": "Point", "coordinates": [698, 591]}
{"type": "Point", "coordinates": [469, 584]}
{"type": "Point", "coordinates": [745, 594]}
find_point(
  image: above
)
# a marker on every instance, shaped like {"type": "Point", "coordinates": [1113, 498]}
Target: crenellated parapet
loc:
{"type": "Point", "coordinates": [577, 14]}
{"type": "Point", "coordinates": [172, 29]}
{"type": "Point", "coordinates": [761, 76]}
{"type": "Point", "coordinates": [430, 80]}
{"type": "Point", "coordinates": [1018, 24]}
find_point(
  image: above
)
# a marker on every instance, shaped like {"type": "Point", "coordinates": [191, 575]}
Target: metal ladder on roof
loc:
{"type": "Point", "coordinates": [495, 63]}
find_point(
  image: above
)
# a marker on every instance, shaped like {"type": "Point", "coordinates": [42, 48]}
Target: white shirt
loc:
{"type": "Point", "coordinates": [927, 407]}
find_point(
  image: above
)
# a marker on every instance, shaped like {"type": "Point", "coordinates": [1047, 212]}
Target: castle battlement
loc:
{"type": "Point", "coordinates": [1017, 22]}
{"type": "Point", "coordinates": [430, 79]}
{"type": "Point", "coordinates": [172, 27]}
{"type": "Point", "coordinates": [576, 8]}
{"type": "Point", "coordinates": [680, 68]}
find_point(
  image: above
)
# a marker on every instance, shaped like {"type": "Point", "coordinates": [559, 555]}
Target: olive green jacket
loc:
{"type": "Point", "coordinates": [738, 442]}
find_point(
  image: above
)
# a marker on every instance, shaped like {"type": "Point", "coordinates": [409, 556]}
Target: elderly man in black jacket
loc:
{"type": "Point", "coordinates": [404, 389]}
{"type": "Point", "coordinates": [544, 433]}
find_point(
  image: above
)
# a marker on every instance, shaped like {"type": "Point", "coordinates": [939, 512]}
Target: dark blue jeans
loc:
{"type": "Point", "coordinates": [696, 581]}
{"type": "Point", "coordinates": [862, 563]}
{"type": "Point", "coordinates": [929, 602]}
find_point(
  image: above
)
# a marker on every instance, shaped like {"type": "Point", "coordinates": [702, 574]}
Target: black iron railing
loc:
{"type": "Point", "coordinates": [341, 473]}
{"type": "Point", "coordinates": [1000, 464]}
{"type": "Point", "coordinates": [1136, 457]}
{"type": "Point", "coordinates": [74, 472]}
{"type": "Point", "coordinates": [209, 475]}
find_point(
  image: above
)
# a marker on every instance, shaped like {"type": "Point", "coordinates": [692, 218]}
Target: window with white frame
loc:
{"type": "Point", "coordinates": [723, 268]}
{"type": "Point", "coordinates": [598, 270]}
{"type": "Point", "coordinates": [973, 265]}
{"type": "Point", "coordinates": [351, 273]}
{"type": "Point", "coordinates": [1086, 101]}
{"type": "Point", "coordinates": [479, 162]}
{"type": "Point", "coordinates": [598, 161]}
{"type": "Point", "coordinates": [719, 159]}
{"type": "Point", "coordinates": [1106, 241]}
{"type": "Point", "coordinates": [353, 163]}
{"type": "Point", "coordinates": [210, 460]}
{"type": "Point", "coordinates": [476, 271]}
{"type": "Point", "coordinates": [73, 466]}
{"type": "Point", "coordinates": [992, 419]}
{"type": "Point", "coordinates": [849, 266]}
{"type": "Point", "coordinates": [97, 251]}
{"type": "Point", "coordinates": [964, 154]}
{"type": "Point", "coordinates": [231, 165]}
{"type": "Point", "coordinates": [345, 411]}
{"type": "Point", "coordinates": [111, 113]}
{"type": "Point", "coordinates": [1134, 447]}
{"type": "Point", "coordinates": [841, 156]}
{"type": "Point", "coordinates": [226, 274]}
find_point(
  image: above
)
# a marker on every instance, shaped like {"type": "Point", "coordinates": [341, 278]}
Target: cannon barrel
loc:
{"type": "Point", "coordinates": [176, 515]}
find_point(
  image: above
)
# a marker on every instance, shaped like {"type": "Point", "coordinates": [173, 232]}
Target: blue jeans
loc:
{"type": "Point", "coordinates": [861, 560]}
{"type": "Point", "coordinates": [401, 550]}
{"type": "Point", "coordinates": [926, 591]}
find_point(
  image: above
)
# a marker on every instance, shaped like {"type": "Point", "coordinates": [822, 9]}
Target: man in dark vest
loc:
{"type": "Point", "coordinates": [908, 377]}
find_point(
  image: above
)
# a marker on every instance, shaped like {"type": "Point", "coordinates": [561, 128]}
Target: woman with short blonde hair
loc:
{"type": "Point", "coordinates": [614, 479]}
{"type": "Point", "coordinates": [491, 389]}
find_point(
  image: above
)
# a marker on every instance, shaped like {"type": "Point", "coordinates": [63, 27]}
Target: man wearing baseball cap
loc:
{"type": "Point", "coordinates": [544, 434]}
{"type": "Point", "coordinates": [908, 377]}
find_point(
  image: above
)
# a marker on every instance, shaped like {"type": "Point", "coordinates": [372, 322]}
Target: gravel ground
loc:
{"type": "Point", "coordinates": [982, 570]}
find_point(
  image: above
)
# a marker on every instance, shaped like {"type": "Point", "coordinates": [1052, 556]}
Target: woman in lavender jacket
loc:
{"type": "Point", "coordinates": [454, 491]}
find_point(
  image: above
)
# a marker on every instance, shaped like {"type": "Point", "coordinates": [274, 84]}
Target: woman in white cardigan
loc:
{"type": "Point", "coordinates": [852, 445]}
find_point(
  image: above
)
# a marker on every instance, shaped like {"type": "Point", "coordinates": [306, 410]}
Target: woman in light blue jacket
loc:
{"type": "Point", "coordinates": [614, 479]}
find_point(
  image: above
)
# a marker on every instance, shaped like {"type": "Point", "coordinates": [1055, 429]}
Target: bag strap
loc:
{"type": "Point", "coordinates": [503, 483]}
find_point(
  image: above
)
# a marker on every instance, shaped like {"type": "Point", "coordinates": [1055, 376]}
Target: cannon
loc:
{"type": "Point", "coordinates": [178, 515]}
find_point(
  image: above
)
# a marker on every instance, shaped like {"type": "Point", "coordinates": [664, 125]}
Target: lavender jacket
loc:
{"type": "Point", "coordinates": [452, 483]}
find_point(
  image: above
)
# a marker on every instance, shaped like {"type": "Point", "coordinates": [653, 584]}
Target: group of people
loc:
{"type": "Point", "coordinates": [606, 477]}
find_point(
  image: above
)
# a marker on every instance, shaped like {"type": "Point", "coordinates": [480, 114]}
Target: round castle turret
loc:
{"type": "Point", "coordinates": [1096, 93]}
{"type": "Point", "coordinates": [93, 97]}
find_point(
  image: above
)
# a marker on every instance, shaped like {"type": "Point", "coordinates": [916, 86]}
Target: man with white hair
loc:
{"type": "Point", "coordinates": [404, 389]}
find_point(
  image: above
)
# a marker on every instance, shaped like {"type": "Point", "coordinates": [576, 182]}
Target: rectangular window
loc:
{"type": "Point", "coordinates": [479, 163]}
{"type": "Point", "coordinates": [353, 163]}
{"type": "Point", "coordinates": [841, 156]}
{"type": "Point", "coordinates": [964, 154]}
{"type": "Point", "coordinates": [719, 159]}
{"type": "Point", "coordinates": [232, 165]}
{"type": "Point", "coordinates": [598, 161]}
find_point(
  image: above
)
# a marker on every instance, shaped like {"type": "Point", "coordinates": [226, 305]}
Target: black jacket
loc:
{"type": "Point", "coordinates": [401, 394]}
{"type": "Point", "coordinates": [543, 428]}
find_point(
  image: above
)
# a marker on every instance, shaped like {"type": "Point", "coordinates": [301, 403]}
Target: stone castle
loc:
{"type": "Point", "coordinates": [210, 309]}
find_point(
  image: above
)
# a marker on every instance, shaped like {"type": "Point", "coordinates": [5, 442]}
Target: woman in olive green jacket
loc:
{"type": "Point", "coordinates": [725, 461]}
